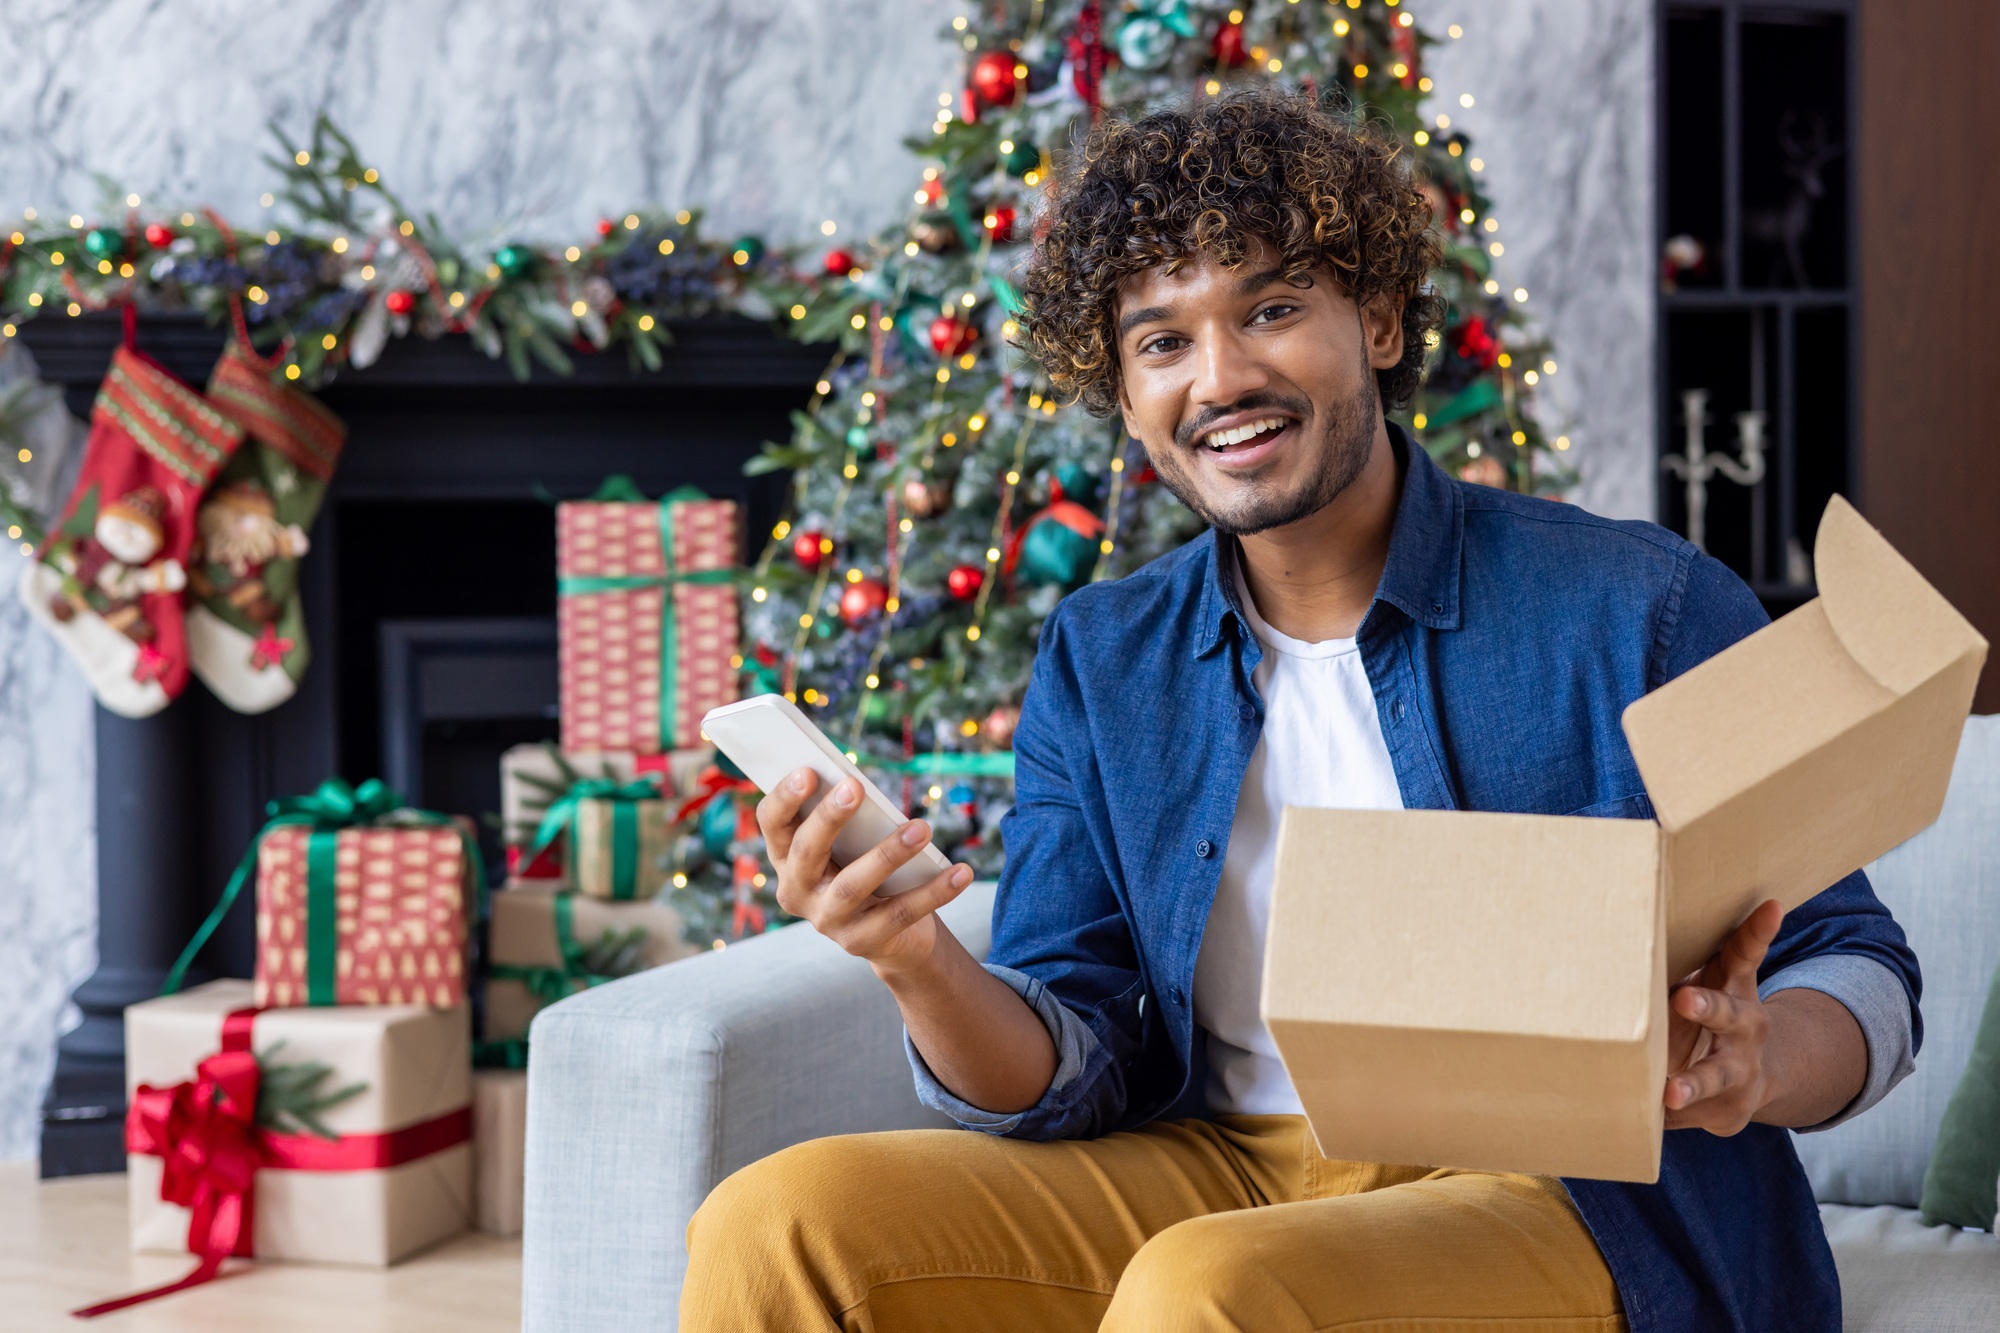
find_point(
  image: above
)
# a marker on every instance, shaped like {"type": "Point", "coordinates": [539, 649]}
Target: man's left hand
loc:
{"type": "Point", "coordinates": [1717, 1031]}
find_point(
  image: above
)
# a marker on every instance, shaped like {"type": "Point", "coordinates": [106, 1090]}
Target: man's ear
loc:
{"type": "Point", "coordinates": [1382, 330]}
{"type": "Point", "coordinates": [1125, 412]}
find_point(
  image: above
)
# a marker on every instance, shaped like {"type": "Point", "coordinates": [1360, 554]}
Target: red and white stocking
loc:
{"type": "Point", "coordinates": [110, 580]}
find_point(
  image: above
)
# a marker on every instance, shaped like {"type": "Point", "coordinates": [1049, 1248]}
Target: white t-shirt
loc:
{"type": "Point", "coordinates": [1321, 746]}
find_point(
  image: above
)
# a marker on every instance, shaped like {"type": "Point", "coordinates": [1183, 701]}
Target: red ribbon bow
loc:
{"type": "Point", "coordinates": [712, 783]}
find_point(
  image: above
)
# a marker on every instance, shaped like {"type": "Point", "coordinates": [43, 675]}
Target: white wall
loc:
{"type": "Point", "coordinates": [533, 118]}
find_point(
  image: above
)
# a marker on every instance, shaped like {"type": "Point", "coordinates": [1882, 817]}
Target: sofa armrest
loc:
{"type": "Point", "coordinates": [644, 1093]}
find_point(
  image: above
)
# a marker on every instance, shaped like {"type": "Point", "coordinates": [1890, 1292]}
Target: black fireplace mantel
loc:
{"type": "Point", "coordinates": [434, 538]}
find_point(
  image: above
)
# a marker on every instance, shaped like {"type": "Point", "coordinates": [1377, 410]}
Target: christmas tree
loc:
{"type": "Point", "coordinates": [943, 502]}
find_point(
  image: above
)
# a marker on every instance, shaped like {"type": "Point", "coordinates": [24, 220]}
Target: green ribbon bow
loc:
{"type": "Point", "coordinates": [622, 489]}
{"type": "Point", "coordinates": [562, 815]}
{"type": "Point", "coordinates": [333, 806]}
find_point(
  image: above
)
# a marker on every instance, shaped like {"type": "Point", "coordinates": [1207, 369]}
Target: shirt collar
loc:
{"type": "Point", "coordinates": [1421, 578]}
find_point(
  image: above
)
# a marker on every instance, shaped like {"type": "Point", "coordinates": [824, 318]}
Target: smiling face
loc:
{"type": "Point", "coordinates": [1253, 395]}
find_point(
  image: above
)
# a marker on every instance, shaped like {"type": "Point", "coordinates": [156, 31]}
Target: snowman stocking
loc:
{"type": "Point", "coordinates": [109, 580]}
{"type": "Point", "coordinates": [246, 628]}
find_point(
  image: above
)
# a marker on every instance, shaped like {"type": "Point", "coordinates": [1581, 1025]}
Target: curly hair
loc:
{"type": "Point", "coordinates": [1323, 189]}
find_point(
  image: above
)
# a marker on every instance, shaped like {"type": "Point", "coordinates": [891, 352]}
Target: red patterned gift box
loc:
{"type": "Point", "coordinates": [648, 617]}
{"type": "Point", "coordinates": [396, 932]}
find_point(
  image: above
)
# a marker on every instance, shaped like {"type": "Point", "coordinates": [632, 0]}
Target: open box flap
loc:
{"type": "Point", "coordinates": [1761, 761]}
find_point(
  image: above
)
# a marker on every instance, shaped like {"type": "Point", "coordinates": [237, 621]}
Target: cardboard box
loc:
{"type": "Point", "coordinates": [523, 932]}
{"type": "Point", "coordinates": [1489, 991]}
{"type": "Point", "coordinates": [416, 1063]}
{"type": "Point", "coordinates": [499, 1148]}
{"type": "Point", "coordinates": [531, 776]}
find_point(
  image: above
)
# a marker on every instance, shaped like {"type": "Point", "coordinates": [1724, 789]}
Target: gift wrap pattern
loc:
{"type": "Point", "coordinates": [399, 929]}
{"type": "Point", "coordinates": [612, 647]}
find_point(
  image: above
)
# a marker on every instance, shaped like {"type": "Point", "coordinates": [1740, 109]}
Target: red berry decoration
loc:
{"type": "Point", "coordinates": [951, 335]}
{"type": "Point", "coordinates": [159, 235]}
{"type": "Point", "coordinates": [999, 222]}
{"type": "Point", "coordinates": [605, 226]}
{"type": "Point", "coordinates": [994, 79]}
{"type": "Point", "coordinates": [400, 302]}
{"type": "Point", "coordinates": [1228, 46]}
{"type": "Point", "coordinates": [1475, 342]}
{"type": "Point", "coordinates": [860, 601]}
{"type": "Point", "coordinates": [807, 550]}
{"type": "Point", "coordinates": [964, 581]}
{"type": "Point", "coordinates": [840, 263]}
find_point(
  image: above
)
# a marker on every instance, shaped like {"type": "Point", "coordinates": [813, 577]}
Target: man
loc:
{"type": "Point", "coordinates": [1244, 282]}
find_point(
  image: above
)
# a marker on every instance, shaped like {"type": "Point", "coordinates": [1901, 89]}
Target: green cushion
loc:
{"type": "Point", "coordinates": [1962, 1183]}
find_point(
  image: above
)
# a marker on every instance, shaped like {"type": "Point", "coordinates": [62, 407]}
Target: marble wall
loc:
{"type": "Point", "coordinates": [533, 118]}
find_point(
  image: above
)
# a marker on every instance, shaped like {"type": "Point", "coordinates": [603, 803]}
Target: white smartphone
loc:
{"type": "Point", "coordinates": [770, 739]}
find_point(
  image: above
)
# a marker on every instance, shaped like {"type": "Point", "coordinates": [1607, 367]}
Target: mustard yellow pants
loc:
{"type": "Point", "coordinates": [1236, 1224]}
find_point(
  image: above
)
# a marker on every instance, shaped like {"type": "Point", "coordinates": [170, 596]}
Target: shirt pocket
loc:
{"type": "Point", "coordinates": [1621, 807]}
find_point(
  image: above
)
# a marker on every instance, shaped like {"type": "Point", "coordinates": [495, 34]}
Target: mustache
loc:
{"type": "Point", "coordinates": [1204, 421]}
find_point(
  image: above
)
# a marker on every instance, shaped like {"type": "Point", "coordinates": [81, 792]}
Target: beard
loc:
{"type": "Point", "coordinates": [1345, 442]}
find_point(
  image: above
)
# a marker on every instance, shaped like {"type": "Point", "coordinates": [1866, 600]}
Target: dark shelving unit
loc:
{"type": "Point", "coordinates": [1755, 163]}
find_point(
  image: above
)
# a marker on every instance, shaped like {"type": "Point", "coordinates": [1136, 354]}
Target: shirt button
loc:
{"type": "Point", "coordinates": [1175, 994]}
{"type": "Point", "coordinates": [1203, 847]}
{"type": "Point", "coordinates": [1397, 711]}
{"type": "Point", "coordinates": [1247, 713]}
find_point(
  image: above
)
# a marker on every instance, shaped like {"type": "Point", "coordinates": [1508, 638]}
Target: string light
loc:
{"type": "Point", "coordinates": [645, 323]}
{"type": "Point", "coordinates": [1496, 249]}
{"type": "Point", "coordinates": [1421, 137]}
{"type": "Point", "coordinates": [667, 245]}
{"type": "Point", "coordinates": [1465, 100]}
{"type": "Point", "coordinates": [1454, 32]}
{"type": "Point", "coordinates": [1340, 27]}
{"type": "Point", "coordinates": [1548, 367]}
{"type": "Point", "coordinates": [827, 228]}
{"type": "Point", "coordinates": [1520, 293]}
{"type": "Point", "coordinates": [302, 157]}
{"type": "Point", "coordinates": [1420, 421]}
{"type": "Point", "coordinates": [573, 254]}
{"type": "Point", "coordinates": [1531, 378]}
{"type": "Point", "coordinates": [1478, 165]}
{"type": "Point", "coordinates": [1562, 442]}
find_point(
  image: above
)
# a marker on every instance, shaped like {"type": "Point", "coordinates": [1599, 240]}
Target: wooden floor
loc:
{"type": "Point", "coordinates": [62, 1245]}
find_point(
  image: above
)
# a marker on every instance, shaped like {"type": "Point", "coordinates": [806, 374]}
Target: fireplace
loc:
{"type": "Point", "coordinates": [430, 605]}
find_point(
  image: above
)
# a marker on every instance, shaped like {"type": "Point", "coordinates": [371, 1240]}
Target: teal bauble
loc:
{"type": "Point", "coordinates": [104, 242]}
{"type": "Point", "coordinates": [857, 437]}
{"type": "Point", "coordinates": [747, 250]}
{"type": "Point", "coordinates": [1145, 43]}
{"type": "Point", "coordinates": [1078, 482]}
{"type": "Point", "coordinates": [1024, 159]}
{"type": "Point", "coordinates": [718, 825]}
{"type": "Point", "coordinates": [514, 261]}
{"type": "Point", "coordinates": [1052, 553]}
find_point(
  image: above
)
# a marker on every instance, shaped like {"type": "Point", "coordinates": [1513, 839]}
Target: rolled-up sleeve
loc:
{"type": "Point", "coordinates": [1880, 1005]}
{"type": "Point", "coordinates": [1075, 1045]}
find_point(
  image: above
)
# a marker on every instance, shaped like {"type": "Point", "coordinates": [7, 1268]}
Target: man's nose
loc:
{"type": "Point", "coordinates": [1225, 370]}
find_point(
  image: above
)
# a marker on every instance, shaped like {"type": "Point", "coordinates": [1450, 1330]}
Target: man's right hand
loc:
{"type": "Point", "coordinates": [896, 934]}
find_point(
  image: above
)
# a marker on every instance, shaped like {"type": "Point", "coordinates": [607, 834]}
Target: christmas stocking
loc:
{"type": "Point", "coordinates": [246, 629]}
{"type": "Point", "coordinates": [109, 580]}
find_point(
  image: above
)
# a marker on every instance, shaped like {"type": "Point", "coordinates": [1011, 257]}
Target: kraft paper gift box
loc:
{"type": "Point", "coordinates": [343, 1207]}
{"type": "Point", "coordinates": [499, 1149]}
{"type": "Point", "coordinates": [647, 620]}
{"type": "Point", "coordinates": [533, 777]}
{"type": "Point", "coordinates": [374, 914]}
{"type": "Point", "coordinates": [537, 938]}
{"type": "Point", "coordinates": [1489, 991]}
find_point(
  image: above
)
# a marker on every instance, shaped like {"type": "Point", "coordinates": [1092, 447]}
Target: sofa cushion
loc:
{"type": "Point", "coordinates": [1944, 887]}
{"type": "Point", "coordinates": [1962, 1184]}
{"type": "Point", "coordinates": [1899, 1276]}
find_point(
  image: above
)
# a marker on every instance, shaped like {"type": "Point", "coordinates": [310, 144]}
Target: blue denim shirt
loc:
{"type": "Point", "coordinates": [1506, 637]}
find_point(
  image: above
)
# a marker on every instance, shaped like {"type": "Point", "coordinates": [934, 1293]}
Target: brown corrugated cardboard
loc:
{"type": "Point", "coordinates": [416, 1063]}
{"type": "Point", "coordinates": [1489, 991]}
{"type": "Point", "coordinates": [499, 1148]}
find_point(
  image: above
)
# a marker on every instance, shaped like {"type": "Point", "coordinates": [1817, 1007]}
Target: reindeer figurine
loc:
{"type": "Point", "coordinates": [1786, 226]}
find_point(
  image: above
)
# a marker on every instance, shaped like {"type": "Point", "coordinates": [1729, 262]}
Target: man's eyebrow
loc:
{"type": "Point", "coordinates": [1257, 282]}
{"type": "Point", "coordinates": [1135, 318]}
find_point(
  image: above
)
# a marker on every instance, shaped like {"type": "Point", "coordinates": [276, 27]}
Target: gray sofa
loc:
{"type": "Point", "coordinates": [643, 1094]}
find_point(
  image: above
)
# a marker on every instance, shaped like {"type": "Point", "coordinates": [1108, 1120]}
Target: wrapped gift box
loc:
{"type": "Point", "coordinates": [647, 621]}
{"type": "Point", "coordinates": [390, 929]}
{"type": "Point", "coordinates": [499, 1148]}
{"type": "Point", "coordinates": [534, 776]}
{"type": "Point", "coordinates": [342, 1206]}
{"type": "Point", "coordinates": [526, 933]}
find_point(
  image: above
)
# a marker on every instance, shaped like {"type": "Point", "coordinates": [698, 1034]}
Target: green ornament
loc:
{"type": "Point", "coordinates": [1024, 159]}
{"type": "Point", "coordinates": [748, 250]}
{"type": "Point", "coordinates": [827, 626]}
{"type": "Point", "coordinates": [1077, 482]}
{"type": "Point", "coordinates": [1052, 553]}
{"type": "Point", "coordinates": [718, 825]}
{"type": "Point", "coordinates": [857, 437]}
{"type": "Point", "coordinates": [514, 261]}
{"type": "Point", "coordinates": [104, 242]}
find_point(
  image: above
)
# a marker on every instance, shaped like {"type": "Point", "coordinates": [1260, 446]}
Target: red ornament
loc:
{"type": "Point", "coordinates": [932, 191]}
{"type": "Point", "coordinates": [400, 302]}
{"type": "Point", "coordinates": [1475, 342]}
{"type": "Point", "coordinates": [840, 263]}
{"type": "Point", "coordinates": [860, 601]}
{"type": "Point", "coordinates": [159, 235]}
{"type": "Point", "coordinates": [999, 223]}
{"type": "Point", "coordinates": [964, 581]}
{"type": "Point", "coordinates": [1228, 46]}
{"type": "Point", "coordinates": [951, 336]}
{"type": "Point", "coordinates": [807, 549]}
{"type": "Point", "coordinates": [605, 226]}
{"type": "Point", "coordinates": [999, 726]}
{"type": "Point", "coordinates": [994, 78]}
